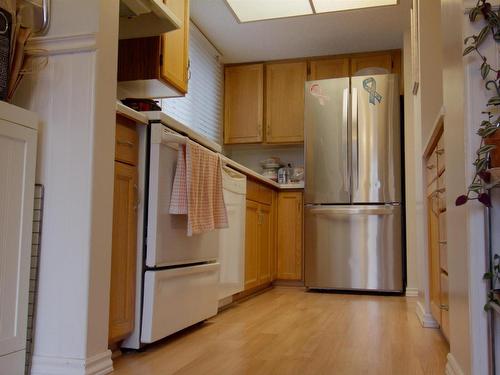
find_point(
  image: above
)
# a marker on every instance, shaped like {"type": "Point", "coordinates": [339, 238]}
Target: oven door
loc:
{"type": "Point", "coordinates": [167, 240]}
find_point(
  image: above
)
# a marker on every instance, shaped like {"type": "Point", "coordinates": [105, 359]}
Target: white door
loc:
{"type": "Point", "coordinates": [17, 179]}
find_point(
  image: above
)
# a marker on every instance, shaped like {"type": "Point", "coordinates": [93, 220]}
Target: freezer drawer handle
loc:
{"type": "Point", "coordinates": [352, 211]}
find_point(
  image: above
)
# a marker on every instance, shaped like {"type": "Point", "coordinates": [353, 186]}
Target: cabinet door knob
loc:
{"type": "Point", "coordinates": [444, 307]}
{"type": "Point", "coordinates": [125, 143]}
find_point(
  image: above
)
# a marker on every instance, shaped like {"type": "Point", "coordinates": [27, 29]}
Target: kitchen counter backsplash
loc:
{"type": "Point", "coordinates": [252, 155]}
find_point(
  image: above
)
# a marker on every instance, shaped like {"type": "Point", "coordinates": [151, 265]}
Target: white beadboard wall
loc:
{"type": "Point", "coordinates": [201, 109]}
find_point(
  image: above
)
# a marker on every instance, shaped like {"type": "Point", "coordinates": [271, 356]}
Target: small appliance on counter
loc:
{"type": "Point", "coordinates": [270, 168]}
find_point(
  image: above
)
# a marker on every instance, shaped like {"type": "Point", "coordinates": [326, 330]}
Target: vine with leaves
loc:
{"type": "Point", "coordinates": [481, 183]}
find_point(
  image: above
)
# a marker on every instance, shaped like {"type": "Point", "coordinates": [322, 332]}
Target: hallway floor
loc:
{"type": "Point", "coordinates": [287, 331]}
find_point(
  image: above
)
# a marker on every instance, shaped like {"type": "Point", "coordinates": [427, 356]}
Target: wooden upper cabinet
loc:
{"type": "Point", "coordinates": [360, 62]}
{"type": "Point", "coordinates": [157, 66]}
{"type": "Point", "coordinates": [175, 47]}
{"type": "Point", "coordinates": [329, 68]}
{"type": "Point", "coordinates": [243, 103]}
{"type": "Point", "coordinates": [290, 244]}
{"type": "Point", "coordinates": [285, 102]}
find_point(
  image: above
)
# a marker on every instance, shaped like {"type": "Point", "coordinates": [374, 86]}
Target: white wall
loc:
{"type": "Point", "coordinates": [75, 96]}
{"type": "Point", "coordinates": [410, 172]}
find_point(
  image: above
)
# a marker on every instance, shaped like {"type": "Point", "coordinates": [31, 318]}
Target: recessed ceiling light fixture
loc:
{"type": "Point", "coordinates": [258, 10]}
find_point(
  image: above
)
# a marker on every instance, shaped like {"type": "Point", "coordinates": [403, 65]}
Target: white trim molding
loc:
{"type": "Point", "coordinates": [426, 319]}
{"type": "Point", "coordinates": [99, 364]}
{"type": "Point", "coordinates": [452, 366]}
{"type": "Point", "coordinates": [56, 45]}
{"type": "Point", "coordinates": [411, 292]}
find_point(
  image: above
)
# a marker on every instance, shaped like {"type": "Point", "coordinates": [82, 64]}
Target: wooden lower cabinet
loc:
{"type": "Point", "coordinates": [260, 249]}
{"type": "Point", "coordinates": [252, 245]}
{"type": "Point", "coordinates": [124, 242]}
{"type": "Point", "coordinates": [290, 235]}
{"type": "Point", "coordinates": [437, 240]}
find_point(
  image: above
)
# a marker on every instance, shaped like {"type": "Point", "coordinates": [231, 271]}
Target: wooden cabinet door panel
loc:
{"type": "Point", "coordinates": [175, 48]}
{"type": "Point", "coordinates": [285, 102]}
{"type": "Point", "coordinates": [265, 244]}
{"type": "Point", "coordinates": [445, 319]}
{"type": "Point", "coordinates": [329, 68]}
{"type": "Point", "coordinates": [383, 61]}
{"type": "Point", "coordinates": [243, 103]}
{"type": "Point", "coordinates": [252, 245]}
{"type": "Point", "coordinates": [290, 245]}
{"type": "Point", "coordinates": [124, 250]}
{"type": "Point", "coordinates": [434, 266]}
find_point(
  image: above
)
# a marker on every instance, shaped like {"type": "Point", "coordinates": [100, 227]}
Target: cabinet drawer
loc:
{"type": "Point", "coordinates": [445, 321]}
{"type": "Point", "coordinates": [431, 168]}
{"type": "Point", "coordinates": [126, 141]}
{"type": "Point", "coordinates": [442, 227]}
{"type": "Point", "coordinates": [259, 193]}
{"type": "Point", "coordinates": [443, 257]}
{"type": "Point", "coordinates": [441, 190]}
{"type": "Point", "coordinates": [440, 156]}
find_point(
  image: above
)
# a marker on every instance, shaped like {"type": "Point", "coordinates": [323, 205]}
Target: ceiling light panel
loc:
{"type": "Point", "coordinates": [256, 10]}
{"type": "Point", "coordinates": [323, 6]}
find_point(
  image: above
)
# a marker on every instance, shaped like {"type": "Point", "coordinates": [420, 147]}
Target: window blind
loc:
{"type": "Point", "coordinates": [201, 108]}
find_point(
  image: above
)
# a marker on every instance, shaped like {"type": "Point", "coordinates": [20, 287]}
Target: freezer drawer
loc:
{"type": "Point", "coordinates": [353, 248]}
{"type": "Point", "coordinates": [178, 298]}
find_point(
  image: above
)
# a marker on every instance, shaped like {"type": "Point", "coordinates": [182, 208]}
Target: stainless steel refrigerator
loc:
{"type": "Point", "coordinates": [353, 208]}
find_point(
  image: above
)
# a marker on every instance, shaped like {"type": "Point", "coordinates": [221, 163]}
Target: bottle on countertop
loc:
{"type": "Point", "coordinates": [284, 174]}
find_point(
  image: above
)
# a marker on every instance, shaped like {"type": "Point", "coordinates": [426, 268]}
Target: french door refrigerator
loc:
{"type": "Point", "coordinates": [353, 212]}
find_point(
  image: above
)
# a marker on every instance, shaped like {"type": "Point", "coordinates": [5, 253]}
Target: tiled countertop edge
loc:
{"type": "Point", "coordinates": [145, 117]}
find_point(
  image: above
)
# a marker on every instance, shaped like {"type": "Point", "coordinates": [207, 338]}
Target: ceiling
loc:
{"type": "Point", "coordinates": [324, 34]}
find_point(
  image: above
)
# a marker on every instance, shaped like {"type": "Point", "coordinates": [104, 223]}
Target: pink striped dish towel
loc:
{"type": "Point", "coordinates": [197, 191]}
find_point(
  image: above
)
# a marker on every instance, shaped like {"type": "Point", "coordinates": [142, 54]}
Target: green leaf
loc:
{"type": "Point", "coordinates": [468, 50]}
{"type": "Point", "coordinates": [482, 35]}
{"type": "Point", "coordinates": [485, 70]}
{"type": "Point", "coordinates": [466, 40]}
{"type": "Point", "coordinates": [487, 307]}
{"type": "Point", "coordinates": [481, 165]}
{"type": "Point", "coordinates": [486, 132]}
{"type": "Point", "coordinates": [494, 100]}
{"type": "Point", "coordinates": [486, 148]}
{"type": "Point", "coordinates": [487, 276]}
{"type": "Point", "coordinates": [485, 123]}
{"type": "Point", "coordinates": [496, 257]}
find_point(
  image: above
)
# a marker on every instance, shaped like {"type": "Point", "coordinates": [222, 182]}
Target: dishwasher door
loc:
{"type": "Point", "coordinates": [354, 247]}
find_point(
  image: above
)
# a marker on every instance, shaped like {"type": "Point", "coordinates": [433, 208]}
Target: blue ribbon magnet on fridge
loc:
{"type": "Point", "coordinates": [370, 85]}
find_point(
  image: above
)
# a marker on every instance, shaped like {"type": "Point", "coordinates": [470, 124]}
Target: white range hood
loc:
{"type": "Point", "coordinates": [143, 18]}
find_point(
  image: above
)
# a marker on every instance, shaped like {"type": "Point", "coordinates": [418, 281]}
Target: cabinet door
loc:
{"type": "Point", "coordinates": [383, 60]}
{"type": "Point", "coordinates": [243, 103]}
{"type": "Point", "coordinates": [445, 314]}
{"type": "Point", "coordinates": [252, 245]}
{"type": "Point", "coordinates": [285, 84]}
{"type": "Point", "coordinates": [17, 182]}
{"type": "Point", "coordinates": [123, 258]}
{"type": "Point", "coordinates": [290, 219]}
{"type": "Point", "coordinates": [175, 48]}
{"type": "Point", "coordinates": [434, 267]}
{"type": "Point", "coordinates": [329, 68]}
{"type": "Point", "coordinates": [265, 244]}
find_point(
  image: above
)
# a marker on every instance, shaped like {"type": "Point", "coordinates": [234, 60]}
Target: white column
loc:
{"type": "Point", "coordinates": [75, 97]}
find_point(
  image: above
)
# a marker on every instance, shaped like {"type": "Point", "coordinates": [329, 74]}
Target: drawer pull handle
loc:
{"type": "Point", "coordinates": [125, 143]}
{"type": "Point", "coordinates": [443, 242]}
{"type": "Point", "coordinates": [444, 307]}
{"type": "Point", "coordinates": [440, 151]}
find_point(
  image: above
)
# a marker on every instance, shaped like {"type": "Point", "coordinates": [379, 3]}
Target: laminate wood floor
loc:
{"type": "Point", "coordinates": [288, 331]}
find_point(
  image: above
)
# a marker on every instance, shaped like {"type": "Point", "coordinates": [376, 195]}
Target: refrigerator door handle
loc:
{"type": "Point", "coordinates": [355, 148]}
{"type": "Point", "coordinates": [345, 150]}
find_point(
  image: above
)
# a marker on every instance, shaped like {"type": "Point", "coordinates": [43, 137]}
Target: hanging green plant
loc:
{"type": "Point", "coordinates": [494, 277]}
{"type": "Point", "coordinates": [487, 151]}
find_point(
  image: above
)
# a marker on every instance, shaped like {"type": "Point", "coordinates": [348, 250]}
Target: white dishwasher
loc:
{"type": "Point", "coordinates": [232, 239]}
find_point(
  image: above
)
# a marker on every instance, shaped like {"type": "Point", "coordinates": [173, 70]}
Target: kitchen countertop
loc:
{"type": "Point", "coordinates": [157, 116]}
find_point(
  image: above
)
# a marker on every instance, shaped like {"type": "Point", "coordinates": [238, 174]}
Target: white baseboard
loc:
{"type": "Point", "coordinates": [99, 364]}
{"type": "Point", "coordinates": [411, 292]}
{"type": "Point", "coordinates": [426, 319]}
{"type": "Point", "coordinates": [452, 366]}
